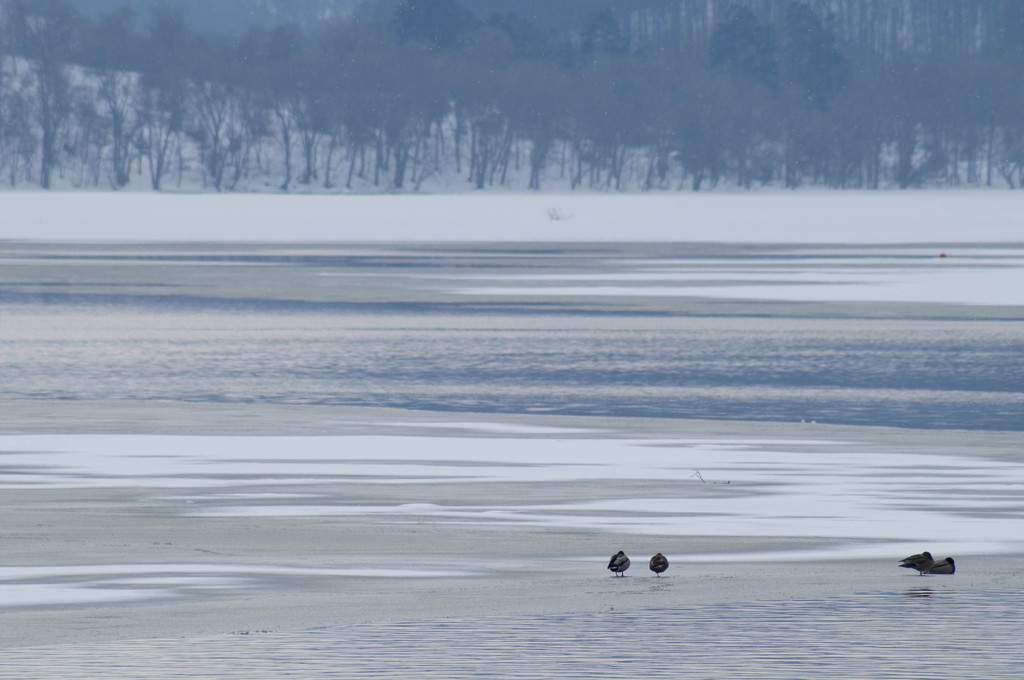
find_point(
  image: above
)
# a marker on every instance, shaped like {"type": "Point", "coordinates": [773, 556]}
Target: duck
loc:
{"type": "Point", "coordinates": [659, 563]}
{"type": "Point", "coordinates": [619, 563]}
{"type": "Point", "coordinates": [945, 566]}
{"type": "Point", "coordinates": [922, 562]}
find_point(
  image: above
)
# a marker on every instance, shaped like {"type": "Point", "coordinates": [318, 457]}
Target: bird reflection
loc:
{"type": "Point", "coordinates": [920, 592]}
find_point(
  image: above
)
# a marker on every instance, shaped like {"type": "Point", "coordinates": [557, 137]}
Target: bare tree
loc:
{"type": "Point", "coordinates": [161, 104]}
{"type": "Point", "coordinates": [44, 31]}
{"type": "Point", "coordinates": [18, 140]}
{"type": "Point", "coordinates": [118, 95]}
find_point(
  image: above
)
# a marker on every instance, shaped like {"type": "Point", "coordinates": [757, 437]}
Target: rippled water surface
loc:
{"type": "Point", "coordinates": [925, 631]}
{"type": "Point", "coordinates": [664, 330]}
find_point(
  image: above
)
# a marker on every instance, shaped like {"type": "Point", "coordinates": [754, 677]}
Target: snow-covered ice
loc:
{"type": "Point", "coordinates": [48, 585]}
{"type": "Point", "coordinates": [933, 217]}
{"type": "Point", "coordinates": [963, 277]}
{"type": "Point", "coordinates": [725, 487]}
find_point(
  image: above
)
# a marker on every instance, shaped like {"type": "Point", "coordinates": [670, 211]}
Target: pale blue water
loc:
{"type": "Point", "coordinates": [392, 326]}
{"type": "Point", "coordinates": [925, 632]}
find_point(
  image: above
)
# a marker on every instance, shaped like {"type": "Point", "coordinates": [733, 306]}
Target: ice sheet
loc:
{"type": "Point", "coordinates": [48, 585]}
{"type": "Point", "coordinates": [965, 281]}
{"type": "Point", "coordinates": [728, 487]}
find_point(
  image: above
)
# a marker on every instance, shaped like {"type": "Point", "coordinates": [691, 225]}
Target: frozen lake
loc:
{"type": "Point", "coordinates": [415, 458]}
{"type": "Point", "coordinates": [882, 336]}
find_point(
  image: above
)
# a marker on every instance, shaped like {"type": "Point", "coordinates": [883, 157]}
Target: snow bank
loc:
{"type": "Point", "coordinates": [934, 217]}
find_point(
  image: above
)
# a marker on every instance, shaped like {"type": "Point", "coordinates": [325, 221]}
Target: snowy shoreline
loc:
{"type": "Point", "coordinates": [813, 217]}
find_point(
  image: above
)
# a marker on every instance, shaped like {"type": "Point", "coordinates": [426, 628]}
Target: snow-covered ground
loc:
{"type": "Point", "coordinates": [932, 217]}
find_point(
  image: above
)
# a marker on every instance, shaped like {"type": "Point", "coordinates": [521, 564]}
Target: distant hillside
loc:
{"type": "Point", "coordinates": [230, 17]}
{"type": "Point", "coordinates": [402, 95]}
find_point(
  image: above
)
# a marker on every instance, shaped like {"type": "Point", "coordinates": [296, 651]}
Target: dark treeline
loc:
{"type": "Point", "coordinates": [412, 94]}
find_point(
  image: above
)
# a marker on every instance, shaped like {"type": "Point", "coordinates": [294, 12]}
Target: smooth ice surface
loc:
{"type": "Point", "coordinates": [50, 594]}
{"type": "Point", "coordinates": [971, 276]}
{"type": "Point", "coordinates": [773, 217]}
{"type": "Point", "coordinates": [47, 585]}
{"type": "Point", "coordinates": [505, 428]}
{"type": "Point", "coordinates": [191, 570]}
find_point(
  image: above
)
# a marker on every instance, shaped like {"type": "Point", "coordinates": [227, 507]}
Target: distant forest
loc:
{"type": "Point", "coordinates": [434, 95]}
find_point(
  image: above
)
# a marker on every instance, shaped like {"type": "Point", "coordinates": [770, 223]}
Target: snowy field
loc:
{"type": "Point", "coordinates": [932, 217]}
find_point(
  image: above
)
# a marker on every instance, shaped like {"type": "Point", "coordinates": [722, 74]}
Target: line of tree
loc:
{"type": "Point", "coordinates": [413, 94]}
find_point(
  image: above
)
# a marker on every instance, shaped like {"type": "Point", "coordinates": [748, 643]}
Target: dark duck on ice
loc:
{"type": "Point", "coordinates": [619, 563]}
{"type": "Point", "coordinates": [946, 566]}
{"type": "Point", "coordinates": [659, 563]}
{"type": "Point", "coordinates": [922, 562]}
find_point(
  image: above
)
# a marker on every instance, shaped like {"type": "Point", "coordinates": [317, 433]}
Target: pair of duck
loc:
{"type": "Point", "coordinates": [926, 564]}
{"type": "Point", "coordinates": [923, 562]}
{"type": "Point", "coordinates": [619, 563]}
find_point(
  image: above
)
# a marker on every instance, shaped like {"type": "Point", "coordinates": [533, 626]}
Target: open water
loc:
{"type": "Point", "coordinates": [926, 632]}
{"type": "Point", "coordinates": [660, 330]}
